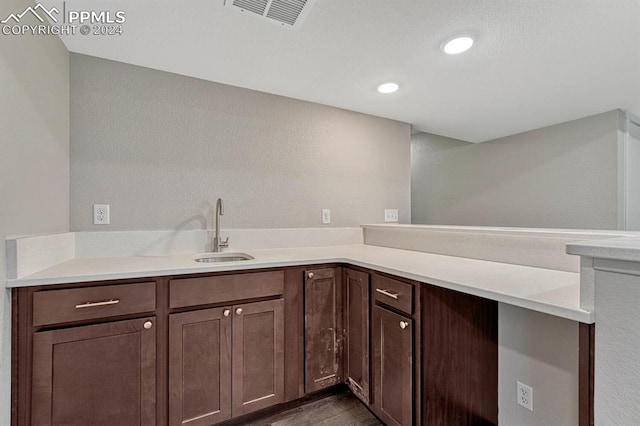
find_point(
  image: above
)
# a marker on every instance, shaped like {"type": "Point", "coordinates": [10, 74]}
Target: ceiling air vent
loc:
{"type": "Point", "coordinates": [287, 13]}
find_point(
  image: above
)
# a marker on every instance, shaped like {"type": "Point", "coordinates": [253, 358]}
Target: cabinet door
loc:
{"type": "Point", "coordinates": [102, 374]}
{"type": "Point", "coordinates": [323, 329]}
{"type": "Point", "coordinates": [393, 367]}
{"type": "Point", "coordinates": [357, 326]}
{"type": "Point", "coordinates": [200, 367]}
{"type": "Point", "coordinates": [258, 356]}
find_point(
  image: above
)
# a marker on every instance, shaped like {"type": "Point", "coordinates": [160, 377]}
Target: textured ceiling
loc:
{"type": "Point", "coordinates": [535, 62]}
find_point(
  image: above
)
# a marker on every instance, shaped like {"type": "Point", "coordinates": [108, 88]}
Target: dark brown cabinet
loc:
{"type": "Point", "coordinates": [323, 328]}
{"type": "Point", "coordinates": [357, 333]}
{"type": "Point", "coordinates": [460, 358]}
{"type": "Point", "coordinates": [206, 348]}
{"type": "Point", "coordinates": [393, 345]}
{"type": "Point", "coordinates": [200, 367]}
{"type": "Point", "coordinates": [258, 356]}
{"type": "Point", "coordinates": [102, 374]}
{"type": "Point", "coordinates": [225, 362]}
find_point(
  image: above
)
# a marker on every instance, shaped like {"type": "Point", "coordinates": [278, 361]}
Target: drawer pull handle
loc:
{"type": "Point", "coordinates": [404, 324]}
{"type": "Point", "coordinates": [239, 311]}
{"type": "Point", "coordinates": [310, 275]}
{"type": "Point", "coordinates": [147, 325]}
{"type": "Point", "coordinates": [388, 293]}
{"type": "Point", "coordinates": [95, 304]}
{"type": "Point", "coordinates": [226, 312]}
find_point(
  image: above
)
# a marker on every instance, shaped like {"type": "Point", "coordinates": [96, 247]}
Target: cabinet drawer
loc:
{"type": "Point", "coordinates": [394, 293]}
{"type": "Point", "coordinates": [224, 288]}
{"type": "Point", "coordinates": [79, 304]}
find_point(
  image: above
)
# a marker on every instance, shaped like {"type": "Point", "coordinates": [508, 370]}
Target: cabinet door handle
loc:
{"type": "Point", "coordinates": [239, 311]}
{"type": "Point", "coordinates": [310, 275]}
{"type": "Point", "coordinates": [355, 384]}
{"type": "Point", "coordinates": [226, 312]}
{"type": "Point", "coordinates": [147, 325]}
{"type": "Point", "coordinates": [95, 304]}
{"type": "Point", "coordinates": [404, 324]}
{"type": "Point", "coordinates": [388, 293]}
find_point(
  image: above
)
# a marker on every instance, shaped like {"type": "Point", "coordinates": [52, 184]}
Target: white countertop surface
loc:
{"type": "Point", "coordinates": [543, 290]}
{"type": "Point", "coordinates": [623, 248]}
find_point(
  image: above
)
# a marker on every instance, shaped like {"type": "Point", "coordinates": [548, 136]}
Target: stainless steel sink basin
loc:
{"type": "Point", "coordinates": [222, 257]}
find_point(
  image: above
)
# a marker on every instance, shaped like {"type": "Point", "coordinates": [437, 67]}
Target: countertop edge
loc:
{"type": "Point", "coordinates": [551, 309]}
{"type": "Point", "coordinates": [205, 269]}
{"type": "Point", "coordinates": [555, 310]}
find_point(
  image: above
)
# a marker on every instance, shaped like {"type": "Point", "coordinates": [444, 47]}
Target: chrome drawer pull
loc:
{"type": "Point", "coordinates": [388, 293]}
{"type": "Point", "coordinates": [94, 304]}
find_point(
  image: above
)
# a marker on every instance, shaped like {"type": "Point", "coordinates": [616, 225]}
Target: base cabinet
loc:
{"type": "Point", "coordinates": [356, 317]}
{"type": "Point", "coordinates": [212, 348]}
{"type": "Point", "coordinates": [225, 362]}
{"type": "Point", "coordinates": [258, 356]}
{"type": "Point", "coordinates": [102, 374]}
{"type": "Point", "coordinates": [323, 328]}
{"type": "Point", "coordinates": [392, 336]}
{"type": "Point", "coordinates": [200, 367]}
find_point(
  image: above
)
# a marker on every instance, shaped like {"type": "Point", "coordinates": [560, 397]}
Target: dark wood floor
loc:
{"type": "Point", "coordinates": [335, 410]}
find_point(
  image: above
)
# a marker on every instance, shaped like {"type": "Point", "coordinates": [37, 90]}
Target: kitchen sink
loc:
{"type": "Point", "coordinates": [222, 257]}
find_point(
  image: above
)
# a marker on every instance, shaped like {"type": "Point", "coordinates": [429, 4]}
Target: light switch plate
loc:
{"type": "Point", "coordinates": [391, 215]}
{"type": "Point", "coordinates": [101, 214]}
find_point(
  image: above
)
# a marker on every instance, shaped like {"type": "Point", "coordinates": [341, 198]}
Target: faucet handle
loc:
{"type": "Point", "coordinates": [225, 242]}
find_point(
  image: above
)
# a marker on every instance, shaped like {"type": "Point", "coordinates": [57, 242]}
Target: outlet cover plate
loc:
{"type": "Point", "coordinates": [326, 216]}
{"type": "Point", "coordinates": [101, 214]}
{"type": "Point", "coordinates": [524, 395]}
{"type": "Point", "coordinates": [391, 215]}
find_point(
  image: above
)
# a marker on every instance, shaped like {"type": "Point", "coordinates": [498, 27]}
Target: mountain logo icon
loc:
{"type": "Point", "coordinates": [39, 11]}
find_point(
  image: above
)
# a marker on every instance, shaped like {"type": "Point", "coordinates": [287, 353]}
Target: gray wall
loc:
{"type": "Point", "coordinates": [563, 176]}
{"type": "Point", "coordinates": [632, 172]}
{"type": "Point", "coordinates": [34, 159]}
{"type": "Point", "coordinates": [541, 351]}
{"type": "Point", "coordinates": [617, 344]}
{"type": "Point", "coordinates": [160, 148]}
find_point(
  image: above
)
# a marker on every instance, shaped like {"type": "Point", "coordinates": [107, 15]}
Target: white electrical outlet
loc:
{"type": "Point", "coordinates": [101, 214]}
{"type": "Point", "coordinates": [524, 395]}
{"type": "Point", "coordinates": [326, 216]}
{"type": "Point", "coordinates": [391, 215]}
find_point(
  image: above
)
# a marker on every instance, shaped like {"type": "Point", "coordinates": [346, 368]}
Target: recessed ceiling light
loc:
{"type": "Point", "coordinates": [457, 45]}
{"type": "Point", "coordinates": [388, 87]}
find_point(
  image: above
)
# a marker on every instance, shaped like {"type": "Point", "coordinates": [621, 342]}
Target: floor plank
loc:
{"type": "Point", "coordinates": [337, 410]}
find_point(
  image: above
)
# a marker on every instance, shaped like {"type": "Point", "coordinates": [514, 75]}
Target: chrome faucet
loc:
{"type": "Point", "coordinates": [218, 243]}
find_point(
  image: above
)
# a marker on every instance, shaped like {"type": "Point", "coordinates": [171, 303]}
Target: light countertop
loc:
{"type": "Point", "coordinates": [544, 290]}
{"type": "Point", "coordinates": [624, 248]}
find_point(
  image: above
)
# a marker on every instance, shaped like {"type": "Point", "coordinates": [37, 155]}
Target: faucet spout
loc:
{"type": "Point", "coordinates": [218, 243]}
